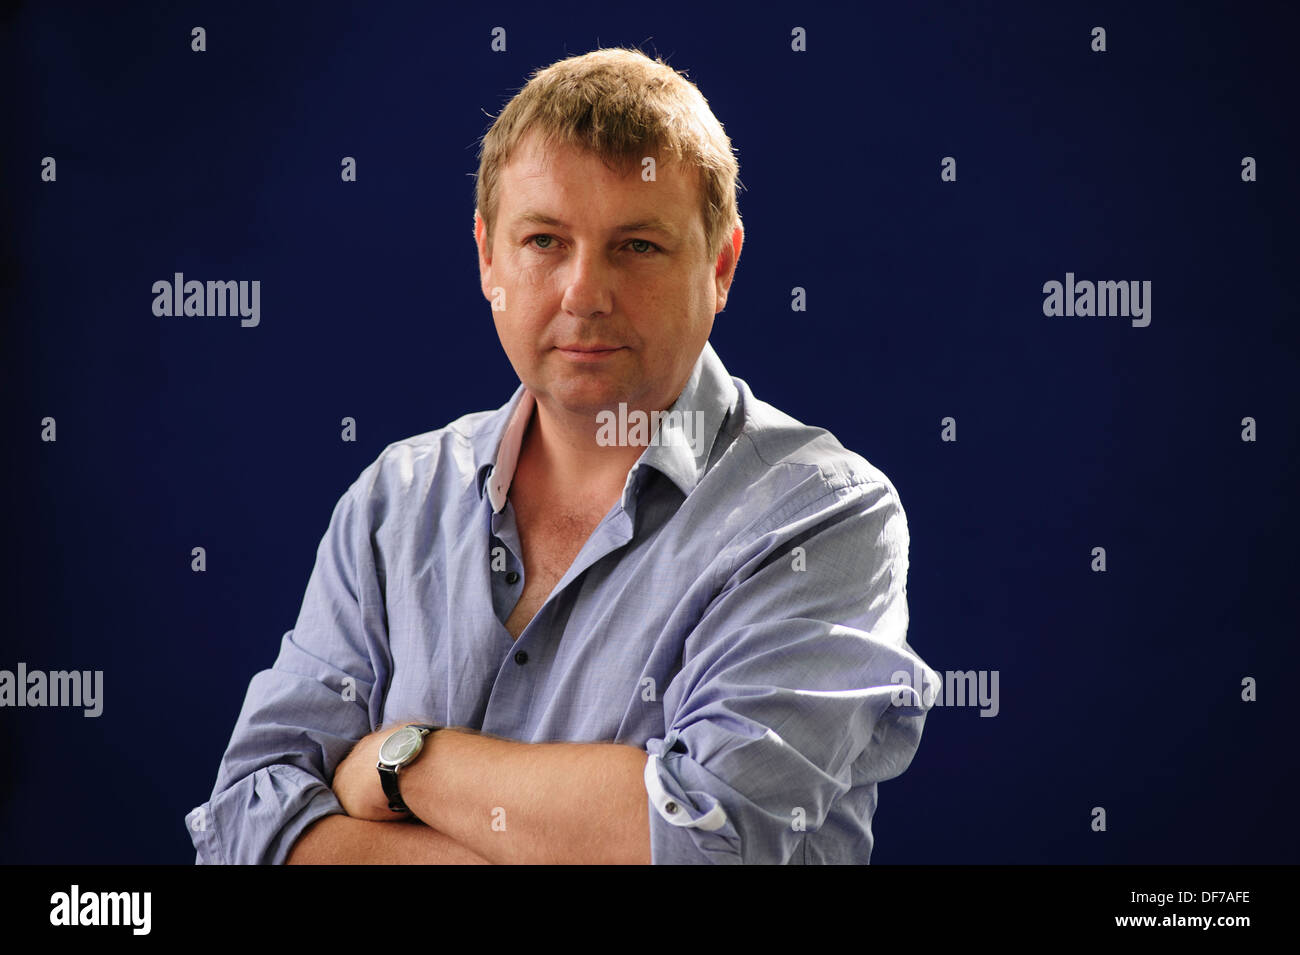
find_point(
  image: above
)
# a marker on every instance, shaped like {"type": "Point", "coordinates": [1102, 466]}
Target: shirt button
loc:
{"type": "Point", "coordinates": [670, 807]}
{"type": "Point", "coordinates": [512, 577]}
{"type": "Point", "coordinates": [521, 658]}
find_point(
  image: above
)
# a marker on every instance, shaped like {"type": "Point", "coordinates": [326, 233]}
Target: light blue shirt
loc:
{"type": "Point", "coordinates": [740, 614]}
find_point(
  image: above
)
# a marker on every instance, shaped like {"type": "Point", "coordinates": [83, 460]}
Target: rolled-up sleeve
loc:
{"type": "Point", "coordinates": [301, 717]}
{"type": "Point", "coordinates": [788, 696]}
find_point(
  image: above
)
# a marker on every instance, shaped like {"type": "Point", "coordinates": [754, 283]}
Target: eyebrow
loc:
{"type": "Point", "coordinates": [652, 224]}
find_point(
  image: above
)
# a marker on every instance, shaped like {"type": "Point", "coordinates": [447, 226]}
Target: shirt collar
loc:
{"type": "Point", "coordinates": [679, 449]}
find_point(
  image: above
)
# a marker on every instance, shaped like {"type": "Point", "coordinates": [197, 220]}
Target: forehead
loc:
{"type": "Point", "coordinates": [558, 174]}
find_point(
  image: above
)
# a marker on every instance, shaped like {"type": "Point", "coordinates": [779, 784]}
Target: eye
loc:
{"type": "Point", "coordinates": [648, 246]}
{"type": "Point", "coordinates": [549, 240]}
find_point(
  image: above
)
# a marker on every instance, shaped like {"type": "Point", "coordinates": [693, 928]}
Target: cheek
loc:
{"type": "Point", "coordinates": [527, 288]}
{"type": "Point", "coordinates": [530, 273]}
{"type": "Point", "coordinates": [692, 300]}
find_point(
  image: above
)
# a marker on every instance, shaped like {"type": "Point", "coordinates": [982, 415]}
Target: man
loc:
{"type": "Point", "coordinates": [633, 615]}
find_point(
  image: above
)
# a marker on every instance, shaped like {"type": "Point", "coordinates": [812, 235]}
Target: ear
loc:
{"type": "Point", "coordinates": [484, 256]}
{"type": "Point", "coordinates": [725, 268]}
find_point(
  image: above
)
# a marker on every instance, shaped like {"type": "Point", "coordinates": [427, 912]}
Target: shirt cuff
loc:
{"type": "Point", "coordinates": [687, 825]}
{"type": "Point", "coordinates": [257, 820]}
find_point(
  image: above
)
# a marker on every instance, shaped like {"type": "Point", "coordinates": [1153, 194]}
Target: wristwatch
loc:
{"type": "Point", "coordinates": [400, 750]}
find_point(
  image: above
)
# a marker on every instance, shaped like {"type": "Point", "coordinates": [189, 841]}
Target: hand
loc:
{"type": "Point", "coordinates": [356, 781]}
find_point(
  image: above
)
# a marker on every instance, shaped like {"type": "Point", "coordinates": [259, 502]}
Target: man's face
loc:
{"type": "Point", "coordinates": [588, 259]}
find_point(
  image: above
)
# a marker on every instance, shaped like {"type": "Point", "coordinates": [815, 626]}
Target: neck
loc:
{"type": "Point", "coordinates": [563, 452]}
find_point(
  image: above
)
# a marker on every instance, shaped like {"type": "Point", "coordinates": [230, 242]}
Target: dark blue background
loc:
{"type": "Point", "coordinates": [925, 300]}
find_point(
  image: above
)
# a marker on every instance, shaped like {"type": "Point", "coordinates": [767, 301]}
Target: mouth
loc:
{"type": "Point", "coordinates": [588, 352]}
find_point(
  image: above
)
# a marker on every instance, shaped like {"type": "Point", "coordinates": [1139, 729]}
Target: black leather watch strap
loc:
{"type": "Point", "coordinates": [388, 779]}
{"type": "Point", "coordinates": [388, 774]}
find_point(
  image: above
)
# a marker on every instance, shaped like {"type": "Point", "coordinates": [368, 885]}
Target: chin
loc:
{"type": "Point", "coordinates": [590, 397]}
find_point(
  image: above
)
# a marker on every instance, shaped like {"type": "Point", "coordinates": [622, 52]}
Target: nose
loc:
{"type": "Point", "coordinates": [588, 291]}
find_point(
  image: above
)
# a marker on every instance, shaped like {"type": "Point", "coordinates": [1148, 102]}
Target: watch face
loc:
{"type": "Point", "coordinates": [401, 746]}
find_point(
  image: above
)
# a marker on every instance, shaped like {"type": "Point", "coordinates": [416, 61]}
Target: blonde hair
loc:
{"type": "Point", "coordinates": [618, 104]}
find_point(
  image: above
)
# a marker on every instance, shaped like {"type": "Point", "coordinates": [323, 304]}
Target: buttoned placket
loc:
{"type": "Point", "coordinates": [534, 646]}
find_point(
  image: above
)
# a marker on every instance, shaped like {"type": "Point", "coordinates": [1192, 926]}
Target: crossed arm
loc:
{"type": "Point", "coordinates": [480, 799]}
